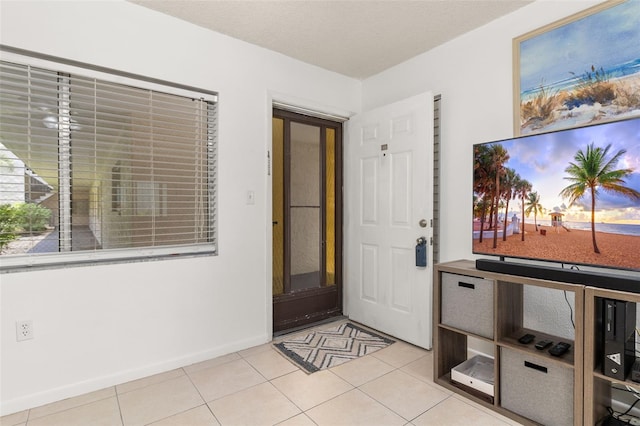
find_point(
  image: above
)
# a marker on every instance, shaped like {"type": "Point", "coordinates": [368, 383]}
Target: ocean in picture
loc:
{"type": "Point", "coordinates": [620, 71]}
{"type": "Point", "coordinates": [611, 228]}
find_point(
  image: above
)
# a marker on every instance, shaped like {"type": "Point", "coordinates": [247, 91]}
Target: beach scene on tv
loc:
{"type": "Point", "coordinates": [570, 196]}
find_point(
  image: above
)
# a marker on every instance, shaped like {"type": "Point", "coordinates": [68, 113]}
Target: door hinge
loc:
{"type": "Point", "coordinates": [268, 163]}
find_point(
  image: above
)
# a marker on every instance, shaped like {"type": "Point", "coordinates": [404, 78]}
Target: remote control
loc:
{"type": "Point", "coordinates": [526, 339]}
{"type": "Point", "coordinates": [559, 349]}
{"type": "Point", "coordinates": [543, 344]}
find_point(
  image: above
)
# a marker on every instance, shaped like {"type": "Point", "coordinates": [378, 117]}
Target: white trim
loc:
{"type": "Point", "coordinates": [307, 107]}
{"type": "Point", "coordinates": [97, 383]}
{"type": "Point", "coordinates": [269, 216]}
{"type": "Point", "coordinates": [27, 262]}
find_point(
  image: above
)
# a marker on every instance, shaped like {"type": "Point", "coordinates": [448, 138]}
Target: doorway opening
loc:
{"type": "Point", "coordinates": [307, 219]}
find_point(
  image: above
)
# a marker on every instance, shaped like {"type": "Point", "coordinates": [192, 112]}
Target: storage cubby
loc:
{"type": "Point", "coordinates": [530, 385]}
{"type": "Point", "coordinates": [598, 393]}
{"type": "Point", "coordinates": [511, 314]}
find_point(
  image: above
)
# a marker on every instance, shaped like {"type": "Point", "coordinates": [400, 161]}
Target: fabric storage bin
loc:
{"type": "Point", "coordinates": [536, 388]}
{"type": "Point", "coordinates": [467, 303]}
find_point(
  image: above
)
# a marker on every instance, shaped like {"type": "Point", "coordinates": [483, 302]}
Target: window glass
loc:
{"type": "Point", "coordinates": [92, 165]}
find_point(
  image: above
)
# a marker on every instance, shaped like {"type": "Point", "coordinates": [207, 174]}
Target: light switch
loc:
{"type": "Point", "coordinates": [251, 197]}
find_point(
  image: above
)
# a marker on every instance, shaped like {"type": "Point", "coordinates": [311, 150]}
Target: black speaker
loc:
{"type": "Point", "coordinates": [619, 331]}
{"type": "Point", "coordinates": [595, 279]}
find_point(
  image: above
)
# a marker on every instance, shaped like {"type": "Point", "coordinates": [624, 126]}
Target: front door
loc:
{"type": "Point", "coordinates": [388, 207]}
{"type": "Point", "coordinates": [307, 219]}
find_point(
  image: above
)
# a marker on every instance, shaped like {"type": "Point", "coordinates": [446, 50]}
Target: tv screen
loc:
{"type": "Point", "coordinates": [569, 196]}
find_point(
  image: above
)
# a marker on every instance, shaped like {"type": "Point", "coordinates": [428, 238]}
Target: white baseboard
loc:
{"type": "Point", "coordinates": [96, 383]}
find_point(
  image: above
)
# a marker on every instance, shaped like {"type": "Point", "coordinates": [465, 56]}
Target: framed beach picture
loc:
{"type": "Point", "coordinates": [578, 71]}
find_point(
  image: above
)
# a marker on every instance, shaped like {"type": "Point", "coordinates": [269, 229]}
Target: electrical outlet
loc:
{"type": "Point", "coordinates": [24, 330]}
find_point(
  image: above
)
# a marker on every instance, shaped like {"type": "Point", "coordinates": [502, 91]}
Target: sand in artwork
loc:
{"type": "Point", "coordinates": [548, 110]}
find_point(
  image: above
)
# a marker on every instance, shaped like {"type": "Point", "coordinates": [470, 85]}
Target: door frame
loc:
{"type": "Point", "coordinates": [304, 300]}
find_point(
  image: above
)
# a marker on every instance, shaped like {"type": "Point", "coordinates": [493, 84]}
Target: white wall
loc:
{"type": "Point", "coordinates": [97, 326]}
{"type": "Point", "coordinates": [473, 73]}
{"type": "Point", "coordinates": [101, 325]}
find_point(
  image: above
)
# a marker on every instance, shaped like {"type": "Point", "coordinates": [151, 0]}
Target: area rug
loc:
{"type": "Point", "coordinates": [321, 349]}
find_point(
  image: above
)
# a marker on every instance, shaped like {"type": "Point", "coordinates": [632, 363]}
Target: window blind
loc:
{"type": "Point", "coordinates": [90, 165]}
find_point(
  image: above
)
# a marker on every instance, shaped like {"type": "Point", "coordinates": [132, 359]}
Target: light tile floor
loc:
{"type": "Point", "coordinates": [259, 386]}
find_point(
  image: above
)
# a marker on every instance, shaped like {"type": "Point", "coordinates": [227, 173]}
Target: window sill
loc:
{"type": "Point", "coordinates": [24, 263]}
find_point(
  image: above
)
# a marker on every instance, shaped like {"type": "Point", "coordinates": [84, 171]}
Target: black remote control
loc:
{"type": "Point", "coordinates": [559, 349]}
{"type": "Point", "coordinates": [543, 344]}
{"type": "Point", "coordinates": [526, 339]}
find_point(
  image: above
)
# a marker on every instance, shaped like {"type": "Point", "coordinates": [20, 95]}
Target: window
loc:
{"type": "Point", "coordinates": [103, 168]}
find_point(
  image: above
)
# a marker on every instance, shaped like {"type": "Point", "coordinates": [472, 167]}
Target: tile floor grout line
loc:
{"type": "Point", "coordinates": [288, 399]}
{"type": "Point", "coordinates": [119, 406]}
{"type": "Point", "coordinates": [206, 404]}
{"type": "Point", "coordinates": [147, 377]}
{"type": "Point", "coordinates": [320, 403]}
{"type": "Point", "coordinates": [204, 401]}
{"type": "Point", "coordinates": [432, 407]}
{"type": "Point", "coordinates": [420, 373]}
{"type": "Point", "coordinates": [238, 391]}
{"type": "Point", "coordinates": [256, 370]}
{"type": "Point", "coordinates": [478, 406]}
{"type": "Point", "coordinates": [177, 414]}
{"type": "Point", "coordinates": [302, 413]}
{"type": "Point", "coordinates": [70, 408]}
{"type": "Point", "coordinates": [382, 403]}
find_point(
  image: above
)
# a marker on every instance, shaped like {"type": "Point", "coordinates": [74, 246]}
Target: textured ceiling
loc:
{"type": "Point", "coordinates": [357, 38]}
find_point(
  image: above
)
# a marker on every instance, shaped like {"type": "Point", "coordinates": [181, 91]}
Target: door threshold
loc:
{"type": "Point", "coordinates": [306, 326]}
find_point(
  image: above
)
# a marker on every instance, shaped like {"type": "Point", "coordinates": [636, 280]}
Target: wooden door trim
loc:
{"type": "Point", "coordinates": [286, 200]}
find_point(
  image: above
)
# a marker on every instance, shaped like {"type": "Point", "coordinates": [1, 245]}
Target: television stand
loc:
{"type": "Point", "coordinates": [530, 386]}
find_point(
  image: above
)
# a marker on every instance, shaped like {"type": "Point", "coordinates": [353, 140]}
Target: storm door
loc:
{"type": "Point", "coordinates": [307, 219]}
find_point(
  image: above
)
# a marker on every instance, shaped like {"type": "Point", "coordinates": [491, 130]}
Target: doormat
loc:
{"type": "Point", "coordinates": [321, 349]}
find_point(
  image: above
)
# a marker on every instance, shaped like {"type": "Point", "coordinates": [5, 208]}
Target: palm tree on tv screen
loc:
{"type": "Point", "coordinates": [499, 156]}
{"type": "Point", "coordinates": [523, 187]}
{"type": "Point", "coordinates": [482, 182]}
{"type": "Point", "coordinates": [510, 179]}
{"type": "Point", "coordinates": [593, 171]}
{"type": "Point", "coordinates": [533, 206]}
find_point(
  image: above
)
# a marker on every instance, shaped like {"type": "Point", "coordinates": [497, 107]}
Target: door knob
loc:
{"type": "Point", "coordinates": [423, 223]}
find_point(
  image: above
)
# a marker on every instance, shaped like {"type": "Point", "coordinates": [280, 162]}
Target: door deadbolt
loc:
{"type": "Point", "coordinates": [423, 223]}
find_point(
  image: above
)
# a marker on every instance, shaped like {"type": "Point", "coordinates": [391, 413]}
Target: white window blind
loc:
{"type": "Point", "coordinates": [90, 165]}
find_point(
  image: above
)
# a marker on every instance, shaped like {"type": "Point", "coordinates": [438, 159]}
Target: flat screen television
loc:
{"type": "Point", "coordinates": [569, 196]}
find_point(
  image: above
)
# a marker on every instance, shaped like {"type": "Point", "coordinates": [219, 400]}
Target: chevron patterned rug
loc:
{"type": "Point", "coordinates": [322, 349]}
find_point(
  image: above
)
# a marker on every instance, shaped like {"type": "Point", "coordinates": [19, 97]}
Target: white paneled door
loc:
{"type": "Point", "coordinates": [388, 206]}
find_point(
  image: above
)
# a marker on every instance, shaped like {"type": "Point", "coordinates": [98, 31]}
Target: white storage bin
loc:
{"type": "Point", "coordinates": [476, 372]}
